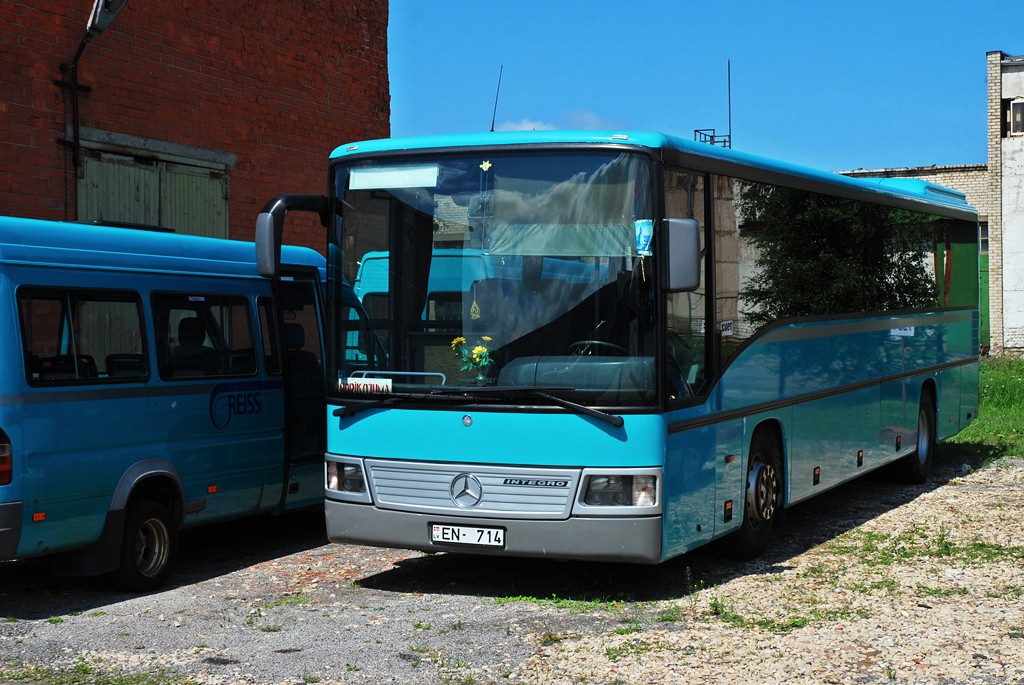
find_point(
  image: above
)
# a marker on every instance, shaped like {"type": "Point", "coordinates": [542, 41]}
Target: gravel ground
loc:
{"type": "Point", "coordinates": [870, 583]}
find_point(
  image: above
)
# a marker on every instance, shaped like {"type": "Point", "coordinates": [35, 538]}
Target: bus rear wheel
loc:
{"type": "Point", "coordinates": [148, 547]}
{"type": "Point", "coordinates": [762, 504]}
{"type": "Point", "coordinates": [915, 468]}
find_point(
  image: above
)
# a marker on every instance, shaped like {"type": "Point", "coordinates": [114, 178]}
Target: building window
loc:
{"type": "Point", "coordinates": [1015, 114]}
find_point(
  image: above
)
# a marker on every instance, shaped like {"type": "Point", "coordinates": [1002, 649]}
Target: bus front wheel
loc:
{"type": "Point", "coordinates": [148, 547]}
{"type": "Point", "coordinates": [762, 503]}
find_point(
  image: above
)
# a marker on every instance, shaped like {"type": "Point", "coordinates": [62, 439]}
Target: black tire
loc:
{"type": "Point", "coordinates": [148, 548]}
{"type": "Point", "coordinates": [762, 505]}
{"type": "Point", "coordinates": [915, 468]}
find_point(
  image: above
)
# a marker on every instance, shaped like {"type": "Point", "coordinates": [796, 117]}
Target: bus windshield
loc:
{"type": "Point", "coordinates": [502, 269]}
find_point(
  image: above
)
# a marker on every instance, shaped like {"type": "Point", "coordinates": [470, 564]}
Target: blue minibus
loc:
{"type": "Point", "coordinates": [150, 381]}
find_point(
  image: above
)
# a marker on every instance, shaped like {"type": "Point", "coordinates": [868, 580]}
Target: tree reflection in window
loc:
{"type": "Point", "coordinates": [819, 255]}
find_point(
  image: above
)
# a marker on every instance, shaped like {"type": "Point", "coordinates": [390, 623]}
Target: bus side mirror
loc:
{"type": "Point", "coordinates": [683, 238]}
{"type": "Point", "coordinates": [270, 228]}
{"type": "Point", "coordinates": [268, 244]}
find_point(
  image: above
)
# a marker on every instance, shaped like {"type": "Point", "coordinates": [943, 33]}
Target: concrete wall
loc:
{"type": "Point", "coordinates": [1012, 190]}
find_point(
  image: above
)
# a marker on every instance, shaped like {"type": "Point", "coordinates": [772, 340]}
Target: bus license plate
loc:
{"type": "Point", "coordinates": [467, 535]}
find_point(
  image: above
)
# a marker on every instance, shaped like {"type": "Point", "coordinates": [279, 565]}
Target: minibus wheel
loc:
{"type": "Point", "coordinates": [148, 547]}
{"type": "Point", "coordinates": [762, 503]}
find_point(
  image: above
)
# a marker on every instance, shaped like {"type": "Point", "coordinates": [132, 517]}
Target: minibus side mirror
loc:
{"type": "Point", "coordinates": [684, 257]}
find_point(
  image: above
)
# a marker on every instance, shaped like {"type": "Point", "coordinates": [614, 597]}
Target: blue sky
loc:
{"type": "Point", "coordinates": [835, 85]}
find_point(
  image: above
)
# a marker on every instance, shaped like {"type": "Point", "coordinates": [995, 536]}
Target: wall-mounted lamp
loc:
{"type": "Point", "coordinates": [103, 13]}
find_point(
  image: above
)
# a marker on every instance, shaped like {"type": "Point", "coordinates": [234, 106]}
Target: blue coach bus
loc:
{"type": "Point", "coordinates": [150, 381]}
{"type": "Point", "coordinates": [751, 334]}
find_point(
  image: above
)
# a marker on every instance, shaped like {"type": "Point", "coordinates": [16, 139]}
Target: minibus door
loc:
{"type": "Point", "coordinates": [300, 325]}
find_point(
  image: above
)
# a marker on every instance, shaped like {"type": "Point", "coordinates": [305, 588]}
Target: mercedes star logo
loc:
{"type": "Point", "coordinates": [466, 491]}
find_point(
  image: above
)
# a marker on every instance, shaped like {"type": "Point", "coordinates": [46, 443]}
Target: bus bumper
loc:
{"type": "Point", "coordinates": [627, 539]}
{"type": "Point", "coordinates": [10, 529]}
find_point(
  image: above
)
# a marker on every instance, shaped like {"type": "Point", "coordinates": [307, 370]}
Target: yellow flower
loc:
{"type": "Point", "coordinates": [458, 342]}
{"type": "Point", "coordinates": [486, 338]}
{"type": "Point", "coordinates": [479, 353]}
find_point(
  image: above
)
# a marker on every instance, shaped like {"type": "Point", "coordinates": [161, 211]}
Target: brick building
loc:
{"type": "Point", "coordinates": [190, 115]}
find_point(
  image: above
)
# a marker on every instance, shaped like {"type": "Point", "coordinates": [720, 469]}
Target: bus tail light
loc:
{"type": "Point", "coordinates": [6, 460]}
{"type": "Point", "coordinates": [345, 477]}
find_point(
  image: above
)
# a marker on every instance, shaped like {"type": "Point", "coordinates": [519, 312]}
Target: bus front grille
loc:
{"type": "Point", "coordinates": [473, 490]}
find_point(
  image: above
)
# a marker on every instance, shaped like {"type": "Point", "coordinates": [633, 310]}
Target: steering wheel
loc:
{"type": "Point", "coordinates": [581, 347]}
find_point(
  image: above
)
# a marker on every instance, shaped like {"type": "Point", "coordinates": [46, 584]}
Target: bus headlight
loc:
{"type": "Point", "coordinates": [621, 491]}
{"type": "Point", "coordinates": [345, 477]}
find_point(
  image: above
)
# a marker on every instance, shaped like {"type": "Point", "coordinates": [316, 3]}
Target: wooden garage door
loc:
{"type": "Point", "coordinates": [189, 199]}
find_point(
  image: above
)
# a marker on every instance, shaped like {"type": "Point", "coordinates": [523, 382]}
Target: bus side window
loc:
{"type": "Point", "coordinates": [78, 336]}
{"type": "Point", "coordinates": [687, 311]}
{"type": "Point", "coordinates": [203, 335]}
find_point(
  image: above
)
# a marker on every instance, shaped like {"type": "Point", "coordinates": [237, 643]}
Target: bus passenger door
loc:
{"type": "Point", "coordinates": [293, 331]}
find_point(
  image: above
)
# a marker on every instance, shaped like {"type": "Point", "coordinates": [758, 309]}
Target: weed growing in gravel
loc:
{"type": "Point", "coordinates": [548, 639]}
{"type": "Point", "coordinates": [456, 671]}
{"type": "Point", "coordinates": [883, 584]}
{"type": "Point", "coordinates": [670, 614]}
{"type": "Point", "coordinates": [1008, 592]}
{"type": "Point", "coordinates": [880, 549]}
{"type": "Point", "coordinates": [927, 591]}
{"type": "Point", "coordinates": [83, 672]}
{"type": "Point", "coordinates": [632, 648]}
{"type": "Point", "coordinates": [719, 609]}
{"type": "Point", "coordinates": [55, 620]}
{"type": "Point", "coordinates": [631, 627]}
{"type": "Point", "coordinates": [626, 649]}
{"type": "Point", "coordinates": [296, 600]}
{"type": "Point", "coordinates": [580, 606]}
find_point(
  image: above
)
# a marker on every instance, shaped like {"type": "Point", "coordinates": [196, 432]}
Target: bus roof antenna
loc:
{"type": "Point", "coordinates": [494, 114]}
{"type": "Point", "coordinates": [728, 85]}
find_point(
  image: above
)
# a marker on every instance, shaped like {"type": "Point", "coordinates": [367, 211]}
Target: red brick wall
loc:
{"type": "Point", "coordinates": [279, 85]}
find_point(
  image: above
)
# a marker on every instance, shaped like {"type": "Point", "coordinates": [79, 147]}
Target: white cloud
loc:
{"type": "Point", "coordinates": [524, 125]}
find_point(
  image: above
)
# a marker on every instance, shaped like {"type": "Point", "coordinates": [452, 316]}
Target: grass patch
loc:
{"type": "Point", "coordinates": [999, 429]}
{"type": "Point", "coordinates": [581, 606]}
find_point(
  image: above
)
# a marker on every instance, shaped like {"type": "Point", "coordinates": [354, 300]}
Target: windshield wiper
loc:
{"type": "Point", "coordinates": [542, 392]}
{"type": "Point", "coordinates": [545, 392]}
